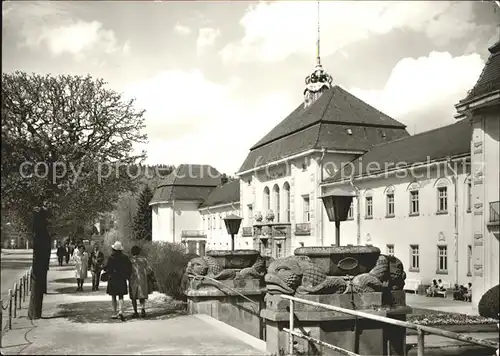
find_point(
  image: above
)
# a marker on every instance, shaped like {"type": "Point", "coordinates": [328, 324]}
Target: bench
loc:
{"type": "Point", "coordinates": [442, 293]}
{"type": "Point", "coordinates": [412, 284]}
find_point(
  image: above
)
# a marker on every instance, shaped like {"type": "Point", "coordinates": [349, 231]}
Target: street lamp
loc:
{"type": "Point", "coordinates": [337, 208]}
{"type": "Point", "coordinates": [233, 223]}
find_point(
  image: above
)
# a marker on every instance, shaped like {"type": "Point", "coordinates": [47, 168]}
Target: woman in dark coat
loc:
{"type": "Point", "coordinates": [118, 269]}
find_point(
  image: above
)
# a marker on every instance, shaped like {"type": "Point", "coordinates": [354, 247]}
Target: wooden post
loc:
{"type": "Point", "coordinates": [20, 292]}
{"type": "Point", "coordinates": [24, 287]}
{"type": "Point", "coordinates": [1, 323]}
{"type": "Point", "coordinates": [292, 327]}
{"type": "Point", "coordinates": [10, 308]}
{"type": "Point", "coordinates": [15, 300]}
{"type": "Point", "coordinates": [420, 345]}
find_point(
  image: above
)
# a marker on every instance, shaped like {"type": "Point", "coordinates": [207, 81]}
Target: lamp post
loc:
{"type": "Point", "coordinates": [337, 208]}
{"type": "Point", "coordinates": [233, 223]}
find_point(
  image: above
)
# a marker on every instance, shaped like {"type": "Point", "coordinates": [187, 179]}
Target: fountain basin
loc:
{"type": "Point", "coordinates": [237, 259]}
{"type": "Point", "coordinates": [341, 260]}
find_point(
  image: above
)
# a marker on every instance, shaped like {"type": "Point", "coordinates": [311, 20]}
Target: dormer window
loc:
{"type": "Point", "coordinates": [383, 134]}
{"type": "Point", "coordinates": [349, 131]}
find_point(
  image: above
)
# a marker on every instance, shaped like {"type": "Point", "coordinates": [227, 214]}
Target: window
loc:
{"type": "Point", "coordinates": [306, 205]}
{"type": "Point", "coordinates": [390, 204]}
{"type": "Point", "coordinates": [276, 193]}
{"type": "Point", "coordinates": [414, 258]}
{"type": "Point", "coordinates": [414, 203]}
{"type": "Point", "coordinates": [250, 214]}
{"type": "Point", "coordinates": [469, 195]}
{"type": "Point", "coordinates": [469, 260]}
{"type": "Point", "coordinates": [286, 188]}
{"type": "Point", "coordinates": [369, 207]}
{"type": "Point", "coordinates": [266, 204]}
{"type": "Point", "coordinates": [350, 213]}
{"type": "Point", "coordinates": [442, 259]}
{"type": "Point", "coordinates": [279, 250]}
{"type": "Point", "coordinates": [442, 199]}
{"type": "Point", "coordinates": [390, 250]}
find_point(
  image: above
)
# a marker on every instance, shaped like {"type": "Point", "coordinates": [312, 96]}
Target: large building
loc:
{"type": "Point", "coordinates": [481, 109]}
{"type": "Point", "coordinates": [415, 196]}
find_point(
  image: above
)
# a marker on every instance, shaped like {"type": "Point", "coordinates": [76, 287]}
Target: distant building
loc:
{"type": "Point", "coordinates": [481, 109]}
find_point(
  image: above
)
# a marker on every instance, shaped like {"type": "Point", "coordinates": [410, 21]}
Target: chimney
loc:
{"type": "Point", "coordinates": [224, 179]}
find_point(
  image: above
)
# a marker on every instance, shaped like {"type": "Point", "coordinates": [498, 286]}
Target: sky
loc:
{"type": "Point", "coordinates": [215, 77]}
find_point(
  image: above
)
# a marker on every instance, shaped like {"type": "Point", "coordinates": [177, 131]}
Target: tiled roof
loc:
{"type": "Point", "coordinates": [187, 182]}
{"type": "Point", "coordinates": [223, 194]}
{"type": "Point", "coordinates": [448, 141]}
{"type": "Point", "coordinates": [489, 80]}
{"type": "Point", "coordinates": [324, 124]}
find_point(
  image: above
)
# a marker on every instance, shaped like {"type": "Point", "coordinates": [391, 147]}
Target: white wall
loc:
{"type": "Point", "coordinates": [217, 236]}
{"type": "Point", "coordinates": [186, 217]}
{"type": "Point", "coordinates": [427, 230]}
{"type": "Point", "coordinates": [485, 173]}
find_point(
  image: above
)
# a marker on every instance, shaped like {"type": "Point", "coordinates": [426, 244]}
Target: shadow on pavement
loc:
{"type": "Point", "coordinates": [86, 290]}
{"type": "Point", "coordinates": [65, 280]}
{"type": "Point", "coordinates": [101, 312]}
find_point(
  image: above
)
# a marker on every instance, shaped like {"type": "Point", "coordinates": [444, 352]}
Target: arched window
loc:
{"type": "Point", "coordinates": [389, 198]}
{"type": "Point", "coordinates": [276, 198]}
{"type": "Point", "coordinates": [266, 204]}
{"type": "Point", "coordinates": [286, 203]}
{"type": "Point", "coordinates": [414, 188]}
{"type": "Point", "coordinates": [368, 204]}
{"type": "Point", "coordinates": [442, 195]}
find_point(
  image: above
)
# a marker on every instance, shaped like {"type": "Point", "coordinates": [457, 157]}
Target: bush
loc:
{"type": "Point", "coordinates": [168, 261]}
{"type": "Point", "coordinates": [489, 303]}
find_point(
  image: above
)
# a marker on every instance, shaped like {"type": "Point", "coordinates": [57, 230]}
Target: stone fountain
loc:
{"type": "Point", "coordinates": [352, 277]}
{"type": "Point", "coordinates": [229, 285]}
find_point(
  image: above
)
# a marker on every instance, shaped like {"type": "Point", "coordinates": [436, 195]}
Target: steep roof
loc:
{"type": "Point", "coordinates": [187, 182]}
{"type": "Point", "coordinates": [448, 141]}
{"type": "Point", "coordinates": [223, 194]}
{"type": "Point", "coordinates": [323, 125]}
{"type": "Point", "coordinates": [489, 80]}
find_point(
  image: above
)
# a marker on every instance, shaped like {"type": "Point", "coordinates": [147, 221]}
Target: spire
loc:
{"type": "Point", "coordinates": [319, 80]}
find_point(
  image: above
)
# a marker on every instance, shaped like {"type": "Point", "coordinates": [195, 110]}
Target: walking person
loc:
{"type": "Point", "coordinates": [67, 255]}
{"type": "Point", "coordinates": [139, 286]}
{"type": "Point", "coordinates": [61, 253]}
{"type": "Point", "coordinates": [118, 270]}
{"type": "Point", "coordinates": [96, 265]}
{"type": "Point", "coordinates": [81, 260]}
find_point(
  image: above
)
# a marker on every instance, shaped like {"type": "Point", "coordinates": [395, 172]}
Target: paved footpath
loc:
{"type": "Point", "coordinates": [80, 323]}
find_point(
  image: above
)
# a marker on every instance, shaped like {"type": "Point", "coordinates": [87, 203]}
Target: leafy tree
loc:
{"type": "Point", "coordinates": [143, 220]}
{"type": "Point", "coordinates": [66, 144]}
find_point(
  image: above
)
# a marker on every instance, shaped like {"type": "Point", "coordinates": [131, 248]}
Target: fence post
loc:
{"type": "Point", "coordinates": [20, 292]}
{"type": "Point", "coordinates": [15, 300]}
{"type": "Point", "coordinates": [24, 287]}
{"type": "Point", "coordinates": [420, 345]}
{"type": "Point", "coordinates": [10, 308]}
{"type": "Point", "coordinates": [292, 327]}
{"type": "Point", "coordinates": [1, 322]}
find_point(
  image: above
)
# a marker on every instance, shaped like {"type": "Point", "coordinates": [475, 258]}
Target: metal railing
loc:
{"type": "Point", "coordinates": [422, 330]}
{"type": "Point", "coordinates": [247, 231]}
{"type": "Point", "coordinates": [494, 212]}
{"type": "Point", "coordinates": [16, 298]}
{"type": "Point", "coordinates": [193, 233]}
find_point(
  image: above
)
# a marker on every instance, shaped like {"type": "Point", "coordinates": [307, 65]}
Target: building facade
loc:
{"type": "Point", "coordinates": [481, 108]}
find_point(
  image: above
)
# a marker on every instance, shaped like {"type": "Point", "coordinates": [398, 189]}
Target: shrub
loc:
{"type": "Point", "coordinates": [168, 261]}
{"type": "Point", "coordinates": [489, 303]}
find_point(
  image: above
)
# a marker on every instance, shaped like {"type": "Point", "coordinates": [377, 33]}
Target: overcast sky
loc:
{"type": "Point", "coordinates": [215, 77]}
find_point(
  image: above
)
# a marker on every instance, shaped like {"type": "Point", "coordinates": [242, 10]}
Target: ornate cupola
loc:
{"type": "Point", "coordinates": [319, 80]}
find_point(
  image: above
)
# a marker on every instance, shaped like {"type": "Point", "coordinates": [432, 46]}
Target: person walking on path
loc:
{"type": "Point", "coordinates": [81, 260]}
{"type": "Point", "coordinates": [118, 270]}
{"type": "Point", "coordinates": [96, 265]}
{"type": "Point", "coordinates": [139, 286]}
{"type": "Point", "coordinates": [67, 255]}
{"type": "Point", "coordinates": [61, 253]}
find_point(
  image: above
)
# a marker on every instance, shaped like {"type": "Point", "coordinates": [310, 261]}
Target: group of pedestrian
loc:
{"type": "Point", "coordinates": [124, 275]}
{"type": "Point", "coordinates": [65, 252]}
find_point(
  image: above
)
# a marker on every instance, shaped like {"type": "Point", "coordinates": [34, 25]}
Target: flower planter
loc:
{"type": "Point", "coordinates": [236, 259]}
{"type": "Point", "coordinates": [342, 260]}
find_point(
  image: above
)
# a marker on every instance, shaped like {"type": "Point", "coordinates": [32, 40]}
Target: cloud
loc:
{"type": "Point", "coordinates": [422, 91]}
{"type": "Point", "coordinates": [190, 119]}
{"type": "Point", "coordinates": [206, 38]}
{"type": "Point", "coordinates": [275, 30]}
{"type": "Point", "coordinates": [181, 29]}
{"type": "Point", "coordinates": [51, 25]}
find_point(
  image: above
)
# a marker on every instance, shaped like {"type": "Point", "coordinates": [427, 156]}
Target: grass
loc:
{"type": "Point", "coordinates": [434, 318]}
